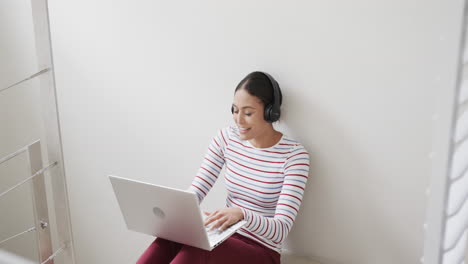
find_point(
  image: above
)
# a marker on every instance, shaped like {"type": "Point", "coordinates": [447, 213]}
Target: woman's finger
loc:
{"type": "Point", "coordinates": [207, 214]}
{"type": "Point", "coordinates": [220, 221]}
{"type": "Point", "coordinates": [211, 218]}
{"type": "Point", "coordinates": [225, 225]}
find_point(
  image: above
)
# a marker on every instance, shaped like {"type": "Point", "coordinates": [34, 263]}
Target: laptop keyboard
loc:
{"type": "Point", "coordinates": [215, 234]}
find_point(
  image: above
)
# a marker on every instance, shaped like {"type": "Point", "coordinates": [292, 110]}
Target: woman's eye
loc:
{"type": "Point", "coordinates": [248, 114]}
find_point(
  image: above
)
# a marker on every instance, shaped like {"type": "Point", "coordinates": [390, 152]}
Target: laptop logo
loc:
{"type": "Point", "coordinates": [158, 212]}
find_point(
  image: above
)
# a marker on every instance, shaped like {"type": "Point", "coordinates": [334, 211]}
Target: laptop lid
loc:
{"type": "Point", "coordinates": [161, 211]}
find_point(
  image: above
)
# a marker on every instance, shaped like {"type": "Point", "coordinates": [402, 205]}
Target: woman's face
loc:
{"type": "Point", "coordinates": [248, 115]}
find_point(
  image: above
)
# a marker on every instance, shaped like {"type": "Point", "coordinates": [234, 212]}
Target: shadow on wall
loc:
{"type": "Point", "coordinates": [333, 209]}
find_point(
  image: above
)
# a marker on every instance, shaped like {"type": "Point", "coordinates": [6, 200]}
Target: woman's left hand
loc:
{"type": "Point", "coordinates": [224, 218]}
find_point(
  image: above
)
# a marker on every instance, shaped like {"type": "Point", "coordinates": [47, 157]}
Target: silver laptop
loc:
{"type": "Point", "coordinates": [167, 213]}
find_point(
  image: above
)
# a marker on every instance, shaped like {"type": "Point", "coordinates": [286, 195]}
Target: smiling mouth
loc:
{"type": "Point", "coordinates": [243, 130]}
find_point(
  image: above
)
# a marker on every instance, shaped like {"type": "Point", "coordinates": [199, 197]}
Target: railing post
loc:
{"type": "Point", "coordinates": [52, 137]}
{"type": "Point", "coordinates": [39, 200]}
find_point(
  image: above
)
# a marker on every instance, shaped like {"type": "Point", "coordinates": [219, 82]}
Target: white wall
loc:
{"type": "Point", "coordinates": [143, 86]}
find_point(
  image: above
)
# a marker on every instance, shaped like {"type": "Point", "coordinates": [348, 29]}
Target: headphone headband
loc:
{"type": "Point", "coordinates": [276, 89]}
{"type": "Point", "coordinates": [272, 112]}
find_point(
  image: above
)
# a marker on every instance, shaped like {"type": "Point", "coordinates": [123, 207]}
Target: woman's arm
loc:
{"type": "Point", "coordinates": [211, 166]}
{"type": "Point", "coordinates": [276, 229]}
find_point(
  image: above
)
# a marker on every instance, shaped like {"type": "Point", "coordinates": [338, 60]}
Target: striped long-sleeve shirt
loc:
{"type": "Point", "coordinates": [267, 184]}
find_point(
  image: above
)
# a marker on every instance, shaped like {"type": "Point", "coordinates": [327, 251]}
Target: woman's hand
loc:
{"type": "Point", "coordinates": [224, 218]}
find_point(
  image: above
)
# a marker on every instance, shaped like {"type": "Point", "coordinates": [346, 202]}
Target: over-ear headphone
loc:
{"type": "Point", "coordinates": [272, 111]}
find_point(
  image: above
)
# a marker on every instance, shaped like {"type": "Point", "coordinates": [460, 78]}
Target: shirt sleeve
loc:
{"type": "Point", "coordinates": [211, 166]}
{"type": "Point", "coordinates": [276, 229]}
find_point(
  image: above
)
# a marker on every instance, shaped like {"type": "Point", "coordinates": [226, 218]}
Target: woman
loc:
{"type": "Point", "coordinates": [266, 173]}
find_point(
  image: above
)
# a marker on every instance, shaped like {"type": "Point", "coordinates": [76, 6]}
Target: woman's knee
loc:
{"type": "Point", "coordinates": [160, 251]}
{"type": "Point", "coordinates": [190, 255]}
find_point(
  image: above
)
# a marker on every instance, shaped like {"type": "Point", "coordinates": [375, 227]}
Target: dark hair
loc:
{"type": "Point", "coordinates": [259, 85]}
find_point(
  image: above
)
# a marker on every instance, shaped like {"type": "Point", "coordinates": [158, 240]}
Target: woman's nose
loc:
{"type": "Point", "coordinates": [239, 118]}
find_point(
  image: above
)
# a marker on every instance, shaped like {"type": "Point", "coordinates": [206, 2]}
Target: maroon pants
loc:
{"type": "Point", "coordinates": [236, 249]}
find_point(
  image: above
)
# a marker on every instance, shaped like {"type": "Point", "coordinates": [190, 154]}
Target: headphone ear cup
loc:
{"type": "Point", "coordinates": [275, 114]}
{"type": "Point", "coordinates": [267, 113]}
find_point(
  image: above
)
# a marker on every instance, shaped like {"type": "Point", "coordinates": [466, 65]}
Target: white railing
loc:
{"type": "Point", "coordinates": [26, 79]}
{"type": "Point", "coordinates": [40, 207]}
{"type": "Point", "coordinates": [51, 164]}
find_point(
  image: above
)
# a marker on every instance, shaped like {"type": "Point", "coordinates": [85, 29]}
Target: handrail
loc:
{"type": "Point", "coordinates": [16, 153]}
{"type": "Point", "coordinates": [17, 235]}
{"type": "Point", "coordinates": [51, 257]}
{"type": "Point", "coordinates": [29, 178]}
{"type": "Point", "coordinates": [28, 78]}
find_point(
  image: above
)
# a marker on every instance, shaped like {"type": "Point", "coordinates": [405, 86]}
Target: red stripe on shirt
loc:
{"type": "Point", "coordinates": [267, 227]}
{"type": "Point", "coordinates": [249, 201]}
{"type": "Point", "coordinates": [300, 187]}
{"type": "Point", "coordinates": [254, 158]}
{"type": "Point", "coordinates": [245, 195]}
{"type": "Point", "coordinates": [217, 144]}
{"type": "Point", "coordinates": [297, 154]}
{"type": "Point", "coordinates": [291, 196]}
{"type": "Point", "coordinates": [213, 163]}
{"type": "Point", "coordinates": [249, 188]}
{"type": "Point", "coordinates": [215, 153]}
{"type": "Point", "coordinates": [199, 189]}
{"type": "Point", "coordinates": [274, 233]}
{"type": "Point", "coordinates": [283, 229]}
{"type": "Point", "coordinates": [286, 216]}
{"type": "Point", "coordinates": [252, 178]}
{"type": "Point", "coordinates": [204, 180]}
{"type": "Point", "coordinates": [259, 225]}
{"type": "Point", "coordinates": [297, 164]}
{"type": "Point", "coordinates": [209, 172]}
{"type": "Point", "coordinates": [276, 152]}
{"type": "Point", "coordinates": [240, 143]}
{"type": "Point", "coordinates": [222, 135]}
{"type": "Point", "coordinates": [289, 206]}
{"type": "Point", "coordinates": [300, 175]}
{"type": "Point", "coordinates": [243, 206]}
{"type": "Point", "coordinates": [251, 167]}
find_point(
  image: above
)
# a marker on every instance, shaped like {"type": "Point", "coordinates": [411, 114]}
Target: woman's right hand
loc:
{"type": "Point", "coordinates": [223, 218]}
